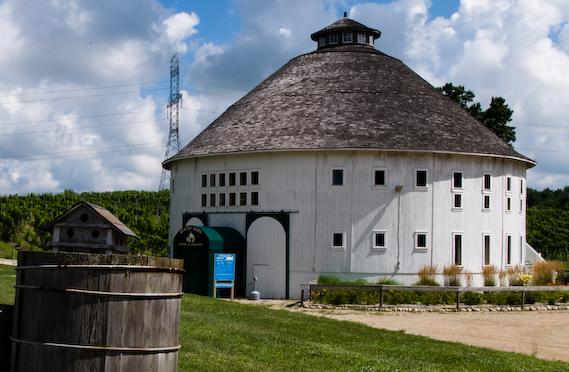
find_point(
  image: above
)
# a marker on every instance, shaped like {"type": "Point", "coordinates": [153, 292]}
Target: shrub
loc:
{"type": "Point", "coordinates": [546, 272]}
{"type": "Point", "coordinates": [388, 281]}
{"type": "Point", "coordinates": [451, 274]}
{"type": "Point", "coordinates": [489, 274]}
{"type": "Point", "coordinates": [332, 280]}
{"type": "Point", "coordinates": [472, 298]}
{"type": "Point", "coordinates": [515, 274]}
{"type": "Point", "coordinates": [427, 275]}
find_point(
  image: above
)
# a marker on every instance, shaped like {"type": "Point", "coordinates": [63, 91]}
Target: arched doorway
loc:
{"type": "Point", "coordinates": [194, 221]}
{"type": "Point", "coordinates": [266, 257]}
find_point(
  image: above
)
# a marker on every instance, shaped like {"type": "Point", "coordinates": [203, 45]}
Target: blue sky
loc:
{"type": "Point", "coordinates": [84, 84]}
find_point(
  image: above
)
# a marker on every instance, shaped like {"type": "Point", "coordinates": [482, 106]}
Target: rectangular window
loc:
{"type": "Point", "coordinates": [457, 180]}
{"type": "Point", "coordinates": [232, 199]}
{"type": "Point", "coordinates": [487, 182]}
{"type": "Point", "coordinates": [508, 184]}
{"type": "Point", "coordinates": [243, 179]}
{"type": "Point", "coordinates": [222, 200]}
{"type": "Point", "coordinates": [420, 240]}
{"type": "Point", "coordinates": [212, 200]}
{"type": "Point", "coordinates": [232, 178]}
{"type": "Point", "coordinates": [204, 200]}
{"type": "Point", "coordinates": [379, 239]}
{"type": "Point", "coordinates": [204, 180]}
{"type": "Point", "coordinates": [486, 202]}
{"type": "Point", "coordinates": [212, 180]}
{"type": "Point", "coordinates": [242, 198]}
{"type": "Point", "coordinates": [457, 201]}
{"type": "Point", "coordinates": [255, 198]}
{"type": "Point", "coordinates": [222, 180]}
{"type": "Point", "coordinates": [254, 178]}
{"type": "Point", "coordinates": [521, 186]}
{"type": "Point", "coordinates": [521, 205]}
{"type": "Point", "coordinates": [338, 240]}
{"type": "Point", "coordinates": [337, 177]}
{"type": "Point", "coordinates": [421, 178]}
{"type": "Point", "coordinates": [508, 204]}
{"type": "Point", "coordinates": [361, 38]}
{"type": "Point", "coordinates": [486, 250]}
{"type": "Point", "coordinates": [347, 37]}
{"type": "Point", "coordinates": [508, 250]}
{"type": "Point", "coordinates": [379, 177]}
{"type": "Point", "coordinates": [333, 38]}
{"type": "Point", "coordinates": [457, 249]}
{"type": "Point", "coordinates": [370, 39]}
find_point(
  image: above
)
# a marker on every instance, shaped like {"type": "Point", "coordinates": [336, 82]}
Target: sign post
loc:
{"type": "Point", "coordinates": [224, 272]}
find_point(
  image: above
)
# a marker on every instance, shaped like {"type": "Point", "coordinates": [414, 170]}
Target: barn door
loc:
{"type": "Point", "coordinates": [266, 257]}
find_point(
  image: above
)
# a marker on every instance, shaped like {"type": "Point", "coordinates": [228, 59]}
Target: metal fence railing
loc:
{"type": "Point", "coordinates": [382, 288]}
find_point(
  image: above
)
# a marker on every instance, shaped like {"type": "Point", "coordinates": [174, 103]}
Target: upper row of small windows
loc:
{"type": "Point", "coordinates": [219, 179]}
{"type": "Point", "coordinates": [347, 38]}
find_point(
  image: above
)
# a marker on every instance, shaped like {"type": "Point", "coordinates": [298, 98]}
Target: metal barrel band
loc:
{"type": "Point", "coordinates": [146, 350]}
{"type": "Point", "coordinates": [111, 267]}
{"type": "Point", "coordinates": [102, 293]}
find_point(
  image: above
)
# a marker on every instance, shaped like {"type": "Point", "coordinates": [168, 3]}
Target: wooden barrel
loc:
{"type": "Point", "coordinates": [6, 315]}
{"type": "Point", "coordinates": [91, 312]}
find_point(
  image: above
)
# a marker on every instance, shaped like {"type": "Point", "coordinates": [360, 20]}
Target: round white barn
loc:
{"type": "Point", "coordinates": [345, 162]}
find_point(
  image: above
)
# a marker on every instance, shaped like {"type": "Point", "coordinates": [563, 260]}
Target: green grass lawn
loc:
{"type": "Point", "coordinates": [6, 251]}
{"type": "Point", "coordinates": [219, 335]}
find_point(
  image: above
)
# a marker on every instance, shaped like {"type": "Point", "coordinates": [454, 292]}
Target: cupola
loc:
{"type": "Point", "coordinates": [345, 31]}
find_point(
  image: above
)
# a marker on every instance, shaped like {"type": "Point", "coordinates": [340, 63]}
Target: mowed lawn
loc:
{"type": "Point", "coordinates": [221, 336]}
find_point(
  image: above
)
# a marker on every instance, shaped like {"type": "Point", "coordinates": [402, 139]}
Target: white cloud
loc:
{"type": "Point", "coordinates": [179, 27]}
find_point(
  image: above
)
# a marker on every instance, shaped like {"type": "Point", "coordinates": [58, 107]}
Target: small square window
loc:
{"type": "Point", "coordinates": [254, 178]}
{"type": "Point", "coordinates": [347, 37]}
{"type": "Point", "coordinates": [333, 38]}
{"type": "Point", "coordinates": [421, 178]}
{"type": "Point", "coordinates": [212, 180]}
{"type": "Point", "coordinates": [421, 240]}
{"type": "Point", "coordinates": [204, 200]}
{"type": "Point", "coordinates": [457, 249]}
{"type": "Point", "coordinates": [243, 179]}
{"type": "Point", "coordinates": [221, 179]}
{"type": "Point", "coordinates": [508, 204]}
{"type": "Point", "coordinates": [486, 250]}
{"type": "Point", "coordinates": [222, 200]}
{"type": "Point", "coordinates": [337, 177]}
{"type": "Point", "coordinates": [361, 38]}
{"type": "Point", "coordinates": [457, 201]}
{"type": "Point", "coordinates": [486, 204]}
{"type": "Point", "coordinates": [255, 198]}
{"type": "Point", "coordinates": [379, 239]}
{"type": "Point", "coordinates": [487, 182]}
{"type": "Point", "coordinates": [338, 240]}
{"type": "Point", "coordinates": [457, 180]}
{"type": "Point", "coordinates": [242, 198]}
{"type": "Point", "coordinates": [508, 184]}
{"type": "Point", "coordinates": [232, 178]}
{"type": "Point", "coordinates": [204, 180]}
{"type": "Point", "coordinates": [232, 199]}
{"type": "Point", "coordinates": [379, 177]}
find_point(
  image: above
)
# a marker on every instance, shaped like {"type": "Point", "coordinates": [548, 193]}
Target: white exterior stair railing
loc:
{"type": "Point", "coordinates": [532, 256]}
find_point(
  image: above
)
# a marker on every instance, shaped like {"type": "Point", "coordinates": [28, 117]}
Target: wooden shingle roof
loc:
{"type": "Point", "coordinates": [346, 97]}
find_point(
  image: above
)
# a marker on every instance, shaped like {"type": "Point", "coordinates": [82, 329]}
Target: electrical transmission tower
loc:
{"type": "Point", "coordinates": [174, 101]}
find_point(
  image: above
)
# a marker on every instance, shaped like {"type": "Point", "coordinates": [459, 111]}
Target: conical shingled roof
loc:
{"type": "Point", "coordinates": [346, 97]}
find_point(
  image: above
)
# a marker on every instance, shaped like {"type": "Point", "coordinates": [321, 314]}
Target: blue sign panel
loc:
{"type": "Point", "coordinates": [224, 267]}
{"type": "Point", "coordinates": [223, 284]}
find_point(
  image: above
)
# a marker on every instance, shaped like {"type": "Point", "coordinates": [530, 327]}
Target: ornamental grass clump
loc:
{"type": "Point", "coordinates": [515, 275]}
{"type": "Point", "coordinates": [451, 274]}
{"type": "Point", "coordinates": [468, 278]}
{"type": "Point", "coordinates": [489, 275]}
{"type": "Point", "coordinates": [546, 272]}
{"type": "Point", "coordinates": [503, 277]}
{"type": "Point", "coordinates": [427, 275]}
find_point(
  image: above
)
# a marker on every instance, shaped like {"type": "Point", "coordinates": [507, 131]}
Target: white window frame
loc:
{"type": "Point", "coordinates": [346, 39]}
{"type": "Point", "coordinates": [206, 180]}
{"type": "Point", "coordinates": [373, 234]}
{"type": "Point", "coordinates": [454, 207]}
{"type": "Point", "coordinates": [508, 207]}
{"type": "Point", "coordinates": [379, 187]}
{"type": "Point", "coordinates": [461, 234]}
{"type": "Point", "coordinates": [506, 256]}
{"type": "Point", "coordinates": [506, 181]}
{"type": "Point", "coordinates": [422, 188]}
{"type": "Point", "coordinates": [484, 190]}
{"type": "Point", "coordinates": [420, 232]}
{"type": "Point", "coordinates": [251, 178]}
{"type": "Point", "coordinates": [361, 38]}
{"type": "Point", "coordinates": [337, 247]}
{"type": "Point", "coordinates": [484, 209]}
{"type": "Point", "coordinates": [484, 235]}
{"type": "Point", "coordinates": [522, 188]}
{"type": "Point", "coordinates": [332, 176]}
{"type": "Point", "coordinates": [250, 199]}
{"type": "Point", "coordinates": [209, 195]}
{"type": "Point", "coordinates": [226, 200]}
{"type": "Point", "coordinates": [453, 187]}
{"type": "Point", "coordinates": [330, 38]}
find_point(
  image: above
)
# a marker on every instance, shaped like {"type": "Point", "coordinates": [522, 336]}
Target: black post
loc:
{"type": "Point", "coordinates": [523, 298]}
{"type": "Point", "coordinates": [302, 296]}
{"type": "Point", "coordinates": [380, 296]}
{"type": "Point", "coordinates": [457, 300]}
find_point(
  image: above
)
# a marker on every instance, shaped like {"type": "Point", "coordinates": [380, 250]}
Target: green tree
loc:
{"type": "Point", "coordinates": [496, 117]}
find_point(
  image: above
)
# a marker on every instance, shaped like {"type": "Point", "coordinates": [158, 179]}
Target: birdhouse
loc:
{"type": "Point", "coordinates": [88, 227]}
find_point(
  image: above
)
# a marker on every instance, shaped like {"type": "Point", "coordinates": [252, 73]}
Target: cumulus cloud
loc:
{"type": "Point", "coordinates": [82, 91]}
